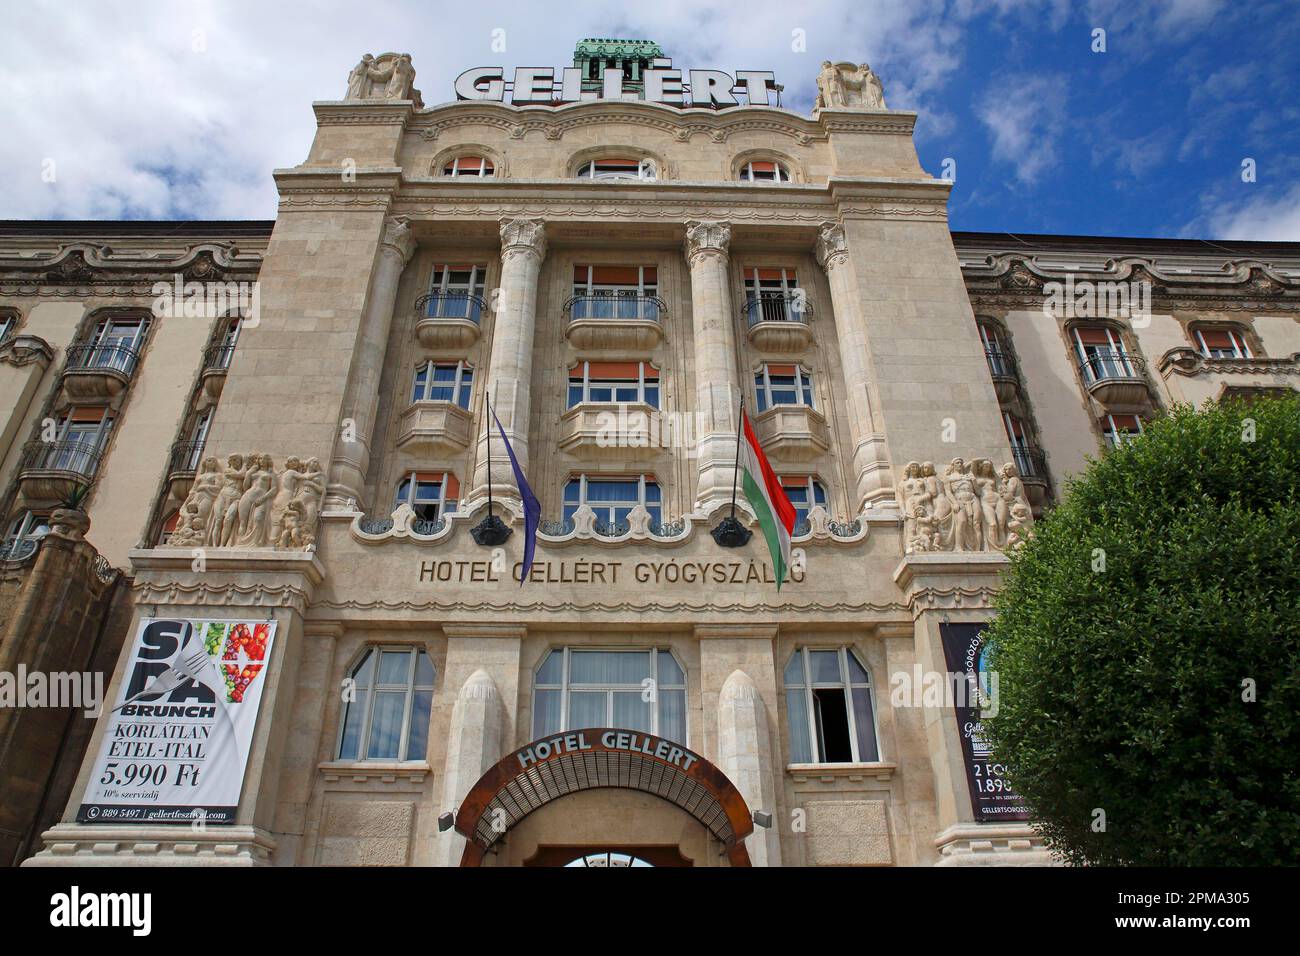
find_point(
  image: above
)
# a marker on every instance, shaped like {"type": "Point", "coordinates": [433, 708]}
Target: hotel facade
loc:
{"type": "Point", "coordinates": [270, 441]}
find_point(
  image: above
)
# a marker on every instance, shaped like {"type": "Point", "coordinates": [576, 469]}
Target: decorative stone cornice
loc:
{"type": "Point", "coordinates": [78, 266]}
{"type": "Point", "coordinates": [523, 237]}
{"type": "Point", "coordinates": [23, 350]}
{"type": "Point", "coordinates": [372, 113]}
{"type": "Point", "coordinates": [707, 238]}
{"type": "Point", "coordinates": [1188, 362]}
{"type": "Point", "coordinates": [168, 845]}
{"type": "Point", "coordinates": [832, 245]}
{"type": "Point", "coordinates": [552, 123]}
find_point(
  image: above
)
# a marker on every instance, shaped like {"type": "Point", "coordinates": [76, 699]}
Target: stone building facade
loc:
{"type": "Point", "coordinates": [614, 276]}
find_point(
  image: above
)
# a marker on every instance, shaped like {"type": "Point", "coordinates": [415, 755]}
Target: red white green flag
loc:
{"type": "Point", "coordinates": [766, 496]}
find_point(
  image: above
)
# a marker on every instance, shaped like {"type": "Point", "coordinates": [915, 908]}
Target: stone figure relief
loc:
{"type": "Point", "coordinates": [248, 504]}
{"type": "Point", "coordinates": [971, 507]}
{"type": "Point", "coordinates": [849, 86]}
{"type": "Point", "coordinates": [389, 76]}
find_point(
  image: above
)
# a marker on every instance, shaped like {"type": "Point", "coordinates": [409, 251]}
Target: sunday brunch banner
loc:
{"type": "Point", "coordinates": [177, 742]}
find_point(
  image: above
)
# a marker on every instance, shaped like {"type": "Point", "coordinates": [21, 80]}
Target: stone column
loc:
{"type": "Point", "coordinates": [510, 368]}
{"type": "Point", "coordinates": [473, 745]}
{"type": "Point", "coordinates": [717, 381]}
{"type": "Point", "coordinates": [350, 465]}
{"type": "Point", "coordinates": [874, 479]}
{"type": "Point", "coordinates": [745, 755]}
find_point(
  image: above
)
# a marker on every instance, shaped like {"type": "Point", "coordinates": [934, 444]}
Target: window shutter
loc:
{"type": "Point", "coordinates": [1093, 335]}
{"type": "Point", "coordinates": [452, 490]}
{"type": "Point", "coordinates": [615, 369]}
{"type": "Point", "coordinates": [87, 413]}
{"type": "Point", "coordinates": [615, 275]}
{"type": "Point", "coordinates": [782, 370]}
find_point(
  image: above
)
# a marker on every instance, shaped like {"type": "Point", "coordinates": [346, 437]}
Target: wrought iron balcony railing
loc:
{"type": "Point", "coordinates": [78, 457]}
{"type": "Point", "coordinates": [1103, 365]}
{"type": "Point", "coordinates": [777, 307]}
{"type": "Point", "coordinates": [217, 357]}
{"type": "Point", "coordinates": [1030, 462]}
{"type": "Point", "coordinates": [185, 457]}
{"type": "Point", "coordinates": [451, 305]}
{"type": "Point", "coordinates": [615, 304]}
{"type": "Point", "coordinates": [18, 547]}
{"type": "Point", "coordinates": [118, 358]}
{"type": "Point", "coordinates": [1001, 365]}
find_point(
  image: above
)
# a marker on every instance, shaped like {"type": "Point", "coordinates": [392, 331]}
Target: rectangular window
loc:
{"type": "Point", "coordinates": [804, 493]}
{"type": "Point", "coordinates": [644, 690]}
{"type": "Point", "coordinates": [440, 382]}
{"type": "Point", "coordinates": [829, 707]}
{"type": "Point", "coordinates": [613, 498]}
{"type": "Point", "coordinates": [456, 291]}
{"type": "Point", "coordinates": [1101, 353]}
{"type": "Point", "coordinates": [430, 494]}
{"type": "Point", "coordinates": [115, 344]}
{"type": "Point", "coordinates": [6, 326]}
{"type": "Point", "coordinates": [783, 385]}
{"type": "Point", "coordinates": [388, 715]}
{"type": "Point", "coordinates": [1222, 344]}
{"type": "Point", "coordinates": [614, 383]}
{"type": "Point", "coordinates": [615, 292]}
{"type": "Point", "coordinates": [772, 294]}
{"type": "Point", "coordinates": [1117, 429]}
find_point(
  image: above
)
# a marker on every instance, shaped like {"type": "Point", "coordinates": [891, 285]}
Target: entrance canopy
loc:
{"type": "Point", "coordinates": [552, 767]}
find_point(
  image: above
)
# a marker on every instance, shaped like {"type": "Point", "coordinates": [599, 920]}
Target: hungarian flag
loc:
{"type": "Point", "coordinates": [767, 498]}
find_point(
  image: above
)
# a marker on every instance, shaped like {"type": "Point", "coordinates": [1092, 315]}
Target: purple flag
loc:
{"type": "Point", "coordinates": [532, 509]}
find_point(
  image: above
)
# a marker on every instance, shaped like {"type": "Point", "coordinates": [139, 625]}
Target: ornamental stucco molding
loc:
{"type": "Point", "coordinates": [832, 245]}
{"type": "Point", "coordinates": [397, 239]}
{"type": "Point", "coordinates": [682, 124]}
{"type": "Point", "coordinates": [20, 350]}
{"type": "Point", "coordinates": [955, 598]}
{"type": "Point", "coordinates": [513, 609]}
{"type": "Point", "coordinates": [220, 595]}
{"type": "Point", "coordinates": [566, 207]}
{"type": "Point", "coordinates": [707, 238]}
{"type": "Point", "coordinates": [84, 265]}
{"type": "Point", "coordinates": [523, 236]}
{"type": "Point", "coordinates": [1189, 361]}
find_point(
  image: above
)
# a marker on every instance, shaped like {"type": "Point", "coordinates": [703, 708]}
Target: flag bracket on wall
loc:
{"type": "Point", "coordinates": [730, 533]}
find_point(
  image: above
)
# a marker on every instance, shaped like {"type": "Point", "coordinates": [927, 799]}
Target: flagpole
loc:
{"type": "Point", "coordinates": [487, 434]}
{"type": "Point", "coordinates": [491, 531]}
{"type": "Point", "coordinates": [730, 533]}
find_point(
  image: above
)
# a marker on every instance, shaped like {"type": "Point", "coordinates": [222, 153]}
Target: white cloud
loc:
{"type": "Point", "coordinates": [1025, 123]}
{"type": "Point", "coordinates": [1265, 217]}
{"type": "Point", "coordinates": [182, 109]}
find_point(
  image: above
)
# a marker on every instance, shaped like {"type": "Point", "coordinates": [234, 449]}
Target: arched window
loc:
{"type": "Point", "coordinates": [469, 166]}
{"type": "Point", "coordinates": [995, 350]}
{"type": "Point", "coordinates": [641, 690]}
{"type": "Point", "coordinates": [612, 167]}
{"type": "Point", "coordinates": [783, 385]}
{"type": "Point", "coordinates": [831, 711]}
{"type": "Point", "coordinates": [443, 382]}
{"type": "Point", "coordinates": [23, 535]}
{"type": "Point", "coordinates": [431, 494]}
{"type": "Point", "coordinates": [764, 171]}
{"type": "Point", "coordinates": [387, 714]}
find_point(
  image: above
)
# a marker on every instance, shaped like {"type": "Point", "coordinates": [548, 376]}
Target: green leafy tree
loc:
{"type": "Point", "coordinates": [1148, 648]}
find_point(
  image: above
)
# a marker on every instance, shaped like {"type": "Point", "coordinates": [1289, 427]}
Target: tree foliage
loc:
{"type": "Point", "coordinates": [1148, 648]}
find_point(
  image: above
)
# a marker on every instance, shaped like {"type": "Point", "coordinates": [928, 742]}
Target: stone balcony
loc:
{"type": "Point", "coordinates": [1193, 377]}
{"type": "Point", "coordinates": [448, 321]}
{"type": "Point", "coordinates": [778, 322]}
{"type": "Point", "coordinates": [611, 431]}
{"type": "Point", "coordinates": [98, 372]}
{"type": "Point", "coordinates": [628, 323]}
{"type": "Point", "coordinates": [438, 428]}
{"type": "Point", "coordinates": [53, 471]}
{"type": "Point", "coordinates": [216, 362]}
{"type": "Point", "coordinates": [1118, 381]}
{"type": "Point", "coordinates": [182, 464]}
{"type": "Point", "coordinates": [792, 433]}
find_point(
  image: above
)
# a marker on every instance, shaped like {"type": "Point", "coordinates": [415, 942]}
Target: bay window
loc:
{"type": "Point", "coordinates": [783, 385]}
{"type": "Point", "coordinates": [431, 494]}
{"type": "Point", "coordinates": [443, 382]}
{"type": "Point", "coordinates": [386, 715]}
{"type": "Point", "coordinates": [829, 706]}
{"type": "Point", "coordinates": [613, 383]}
{"type": "Point", "coordinates": [577, 688]}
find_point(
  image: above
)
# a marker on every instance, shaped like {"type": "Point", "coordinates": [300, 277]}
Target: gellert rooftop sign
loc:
{"type": "Point", "coordinates": [712, 89]}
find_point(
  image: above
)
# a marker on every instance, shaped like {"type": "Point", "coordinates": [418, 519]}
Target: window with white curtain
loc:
{"type": "Point", "coordinates": [830, 709]}
{"type": "Point", "coordinates": [644, 690]}
{"type": "Point", "coordinates": [392, 698]}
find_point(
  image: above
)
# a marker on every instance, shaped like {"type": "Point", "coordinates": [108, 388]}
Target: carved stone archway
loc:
{"type": "Point", "coordinates": [577, 760]}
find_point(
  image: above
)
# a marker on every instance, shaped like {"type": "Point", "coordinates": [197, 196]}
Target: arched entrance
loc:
{"type": "Point", "coordinates": [578, 760]}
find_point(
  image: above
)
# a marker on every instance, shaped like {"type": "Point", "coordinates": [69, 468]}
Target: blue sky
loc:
{"type": "Point", "coordinates": [181, 109]}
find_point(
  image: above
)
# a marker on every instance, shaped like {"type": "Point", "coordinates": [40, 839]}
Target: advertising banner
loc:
{"type": "Point", "coordinates": [176, 745]}
{"type": "Point", "coordinates": [965, 653]}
